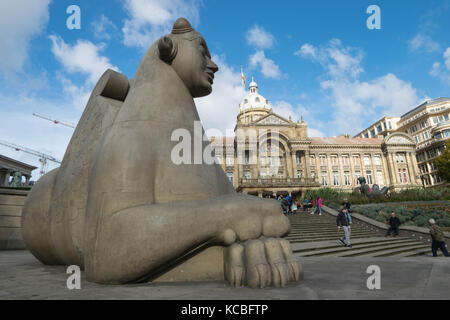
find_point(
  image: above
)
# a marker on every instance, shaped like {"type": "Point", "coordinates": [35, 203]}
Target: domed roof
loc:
{"type": "Point", "coordinates": [254, 100]}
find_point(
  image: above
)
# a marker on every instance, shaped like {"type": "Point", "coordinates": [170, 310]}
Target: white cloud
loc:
{"type": "Point", "coordinates": [82, 57]}
{"type": "Point", "coordinates": [19, 22]}
{"type": "Point", "coordinates": [260, 38]}
{"type": "Point", "coordinates": [104, 28]}
{"type": "Point", "coordinates": [442, 72]}
{"type": "Point", "coordinates": [424, 42]}
{"type": "Point", "coordinates": [268, 67]}
{"type": "Point", "coordinates": [307, 50]}
{"type": "Point", "coordinates": [447, 58]}
{"type": "Point", "coordinates": [150, 19]}
{"type": "Point", "coordinates": [358, 102]}
{"type": "Point", "coordinates": [220, 108]}
{"type": "Point", "coordinates": [339, 61]}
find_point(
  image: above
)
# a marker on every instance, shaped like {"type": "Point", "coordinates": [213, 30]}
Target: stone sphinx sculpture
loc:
{"type": "Point", "coordinates": [365, 189]}
{"type": "Point", "coordinates": [119, 208]}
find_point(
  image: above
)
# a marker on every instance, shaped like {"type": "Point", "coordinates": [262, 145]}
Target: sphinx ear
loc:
{"type": "Point", "coordinates": [167, 49]}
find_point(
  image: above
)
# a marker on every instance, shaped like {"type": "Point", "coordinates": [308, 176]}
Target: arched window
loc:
{"type": "Point", "coordinates": [256, 99]}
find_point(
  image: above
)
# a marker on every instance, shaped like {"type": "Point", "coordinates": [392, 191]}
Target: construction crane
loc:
{"type": "Point", "coordinates": [43, 158]}
{"type": "Point", "coordinates": [64, 123]}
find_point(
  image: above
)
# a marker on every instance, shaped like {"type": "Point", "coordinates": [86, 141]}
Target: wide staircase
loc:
{"type": "Point", "coordinates": [314, 235]}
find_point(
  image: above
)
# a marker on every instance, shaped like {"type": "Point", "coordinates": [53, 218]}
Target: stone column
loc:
{"type": "Point", "coordinates": [412, 168]}
{"type": "Point", "coordinates": [7, 175]}
{"type": "Point", "coordinates": [374, 169]}
{"type": "Point", "coordinates": [386, 173]}
{"type": "Point", "coordinates": [393, 168]}
{"type": "Point", "coordinates": [307, 165]}
{"type": "Point", "coordinates": [2, 176]}
{"type": "Point", "coordinates": [294, 164]}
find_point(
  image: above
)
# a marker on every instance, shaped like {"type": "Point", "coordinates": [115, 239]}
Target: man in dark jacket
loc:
{"type": "Point", "coordinates": [438, 239]}
{"type": "Point", "coordinates": [343, 220]}
{"type": "Point", "coordinates": [394, 223]}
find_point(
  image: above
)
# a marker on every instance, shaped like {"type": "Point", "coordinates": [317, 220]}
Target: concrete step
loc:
{"type": "Point", "coordinates": [340, 250]}
{"type": "Point", "coordinates": [326, 233]}
{"type": "Point", "coordinates": [401, 250]}
{"type": "Point", "coordinates": [329, 244]}
{"type": "Point", "coordinates": [323, 239]}
{"type": "Point", "coordinates": [375, 250]}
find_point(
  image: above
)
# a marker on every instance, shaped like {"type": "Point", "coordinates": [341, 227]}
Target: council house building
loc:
{"type": "Point", "coordinates": [281, 158]}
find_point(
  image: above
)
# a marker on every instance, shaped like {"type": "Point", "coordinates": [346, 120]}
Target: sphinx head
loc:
{"type": "Point", "coordinates": [186, 51]}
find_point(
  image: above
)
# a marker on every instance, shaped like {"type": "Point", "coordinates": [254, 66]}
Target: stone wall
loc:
{"type": "Point", "coordinates": [11, 204]}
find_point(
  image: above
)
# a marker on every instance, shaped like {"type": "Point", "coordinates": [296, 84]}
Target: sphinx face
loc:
{"type": "Point", "coordinates": [194, 66]}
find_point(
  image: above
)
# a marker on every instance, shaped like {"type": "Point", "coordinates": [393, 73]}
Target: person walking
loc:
{"type": "Point", "coordinates": [438, 240]}
{"type": "Point", "coordinates": [394, 223]}
{"type": "Point", "coordinates": [344, 220]}
{"type": "Point", "coordinates": [318, 206]}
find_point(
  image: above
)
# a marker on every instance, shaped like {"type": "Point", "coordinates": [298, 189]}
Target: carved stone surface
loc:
{"type": "Point", "coordinates": [124, 212]}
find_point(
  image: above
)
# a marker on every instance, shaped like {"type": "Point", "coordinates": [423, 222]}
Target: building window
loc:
{"type": "Point", "coordinates": [299, 174]}
{"type": "Point", "coordinates": [356, 160]}
{"type": "Point", "coordinates": [312, 160]}
{"type": "Point", "coordinates": [335, 178]}
{"type": "Point", "coordinates": [379, 128]}
{"type": "Point", "coordinates": [366, 135]}
{"type": "Point", "coordinates": [377, 160]}
{"type": "Point", "coordinates": [247, 174]}
{"type": "Point", "coordinates": [380, 179]}
{"type": "Point", "coordinates": [372, 133]}
{"type": "Point", "coordinates": [347, 178]}
{"type": "Point", "coordinates": [400, 157]}
{"type": "Point", "coordinates": [423, 124]}
{"type": "Point", "coordinates": [366, 160]}
{"type": "Point", "coordinates": [229, 160]}
{"type": "Point", "coordinates": [230, 176]}
{"type": "Point", "coordinates": [324, 178]}
{"type": "Point", "coordinates": [323, 160]}
{"type": "Point", "coordinates": [369, 177]}
{"type": "Point", "coordinates": [405, 175]}
{"type": "Point", "coordinates": [313, 174]}
{"type": "Point", "coordinates": [345, 160]}
{"type": "Point", "coordinates": [389, 124]}
{"type": "Point", "coordinates": [298, 157]}
{"type": "Point", "coordinates": [334, 160]}
{"type": "Point", "coordinates": [280, 175]}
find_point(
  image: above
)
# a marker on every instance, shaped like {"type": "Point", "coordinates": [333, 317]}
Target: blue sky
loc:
{"type": "Point", "coordinates": [312, 58]}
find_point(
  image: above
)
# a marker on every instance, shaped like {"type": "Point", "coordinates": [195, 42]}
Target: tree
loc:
{"type": "Point", "coordinates": [443, 162]}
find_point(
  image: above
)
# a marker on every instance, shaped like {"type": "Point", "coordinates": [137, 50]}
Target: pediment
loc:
{"type": "Point", "coordinates": [399, 139]}
{"type": "Point", "coordinates": [272, 119]}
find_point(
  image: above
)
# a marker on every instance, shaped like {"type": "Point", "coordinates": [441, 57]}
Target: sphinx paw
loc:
{"type": "Point", "coordinates": [259, 263]}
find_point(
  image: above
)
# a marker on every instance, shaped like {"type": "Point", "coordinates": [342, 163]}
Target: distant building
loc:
{"type": "Point", "coordinates": [7, 168]}
{"type": "Point", "coordinates": [429, 126]}
{"type": "Point", "coordinates": [286, 160]}
{"type": "Point", "coordinates": [383, 127]}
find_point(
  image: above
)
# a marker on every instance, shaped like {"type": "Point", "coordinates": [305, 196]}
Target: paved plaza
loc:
{"type": "Point", "coordinates": [23, 277]}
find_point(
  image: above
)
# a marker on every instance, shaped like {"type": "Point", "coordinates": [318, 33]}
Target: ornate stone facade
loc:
{"type": "Point", "coordinates": [429, 126]}
{"type": "Point", "coordinates": [301, 163]}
